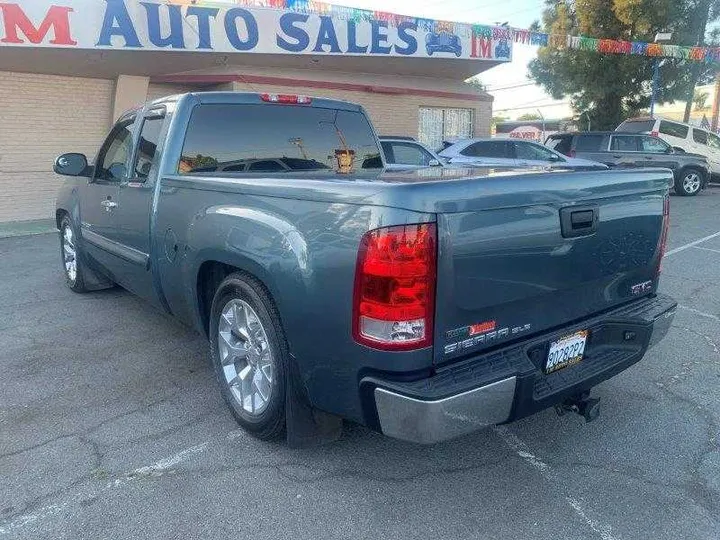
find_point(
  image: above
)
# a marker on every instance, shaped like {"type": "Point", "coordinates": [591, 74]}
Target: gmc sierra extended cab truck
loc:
{"type": "Point", "coordinates": [424, 304]}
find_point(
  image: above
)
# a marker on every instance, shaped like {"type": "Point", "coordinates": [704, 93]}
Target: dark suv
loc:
{"type": "Point", "coordinates": [624, 150]}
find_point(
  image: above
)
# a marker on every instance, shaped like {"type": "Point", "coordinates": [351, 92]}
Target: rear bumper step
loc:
{"type": "Point", "coordinates": [509, 384]}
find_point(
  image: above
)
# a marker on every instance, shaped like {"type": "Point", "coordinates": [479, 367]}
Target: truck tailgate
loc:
{"type": "Point", "coordinates": [562, 253]}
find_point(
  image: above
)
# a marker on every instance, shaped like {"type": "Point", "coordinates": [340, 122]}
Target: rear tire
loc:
{"type": "Point", "coordinates": [689, 183]}
{"type": "Point", "coordinates": [73, 266]}
{"type": "Point", "coordinates": [250, 355]}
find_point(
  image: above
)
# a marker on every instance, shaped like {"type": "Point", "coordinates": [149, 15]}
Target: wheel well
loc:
{"type": "Point", "coordinates": [59, 215]}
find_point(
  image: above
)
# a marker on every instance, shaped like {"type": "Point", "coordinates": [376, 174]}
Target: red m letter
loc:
{"type": "Point", "coordinates": [57, 17]}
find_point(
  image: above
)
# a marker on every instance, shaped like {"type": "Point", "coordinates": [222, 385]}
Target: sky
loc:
{"type": "Point", "coordinates": [509, 102]}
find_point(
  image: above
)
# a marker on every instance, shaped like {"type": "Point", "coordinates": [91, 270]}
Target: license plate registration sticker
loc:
{"type": "Point", "coordinates": [566, 352]}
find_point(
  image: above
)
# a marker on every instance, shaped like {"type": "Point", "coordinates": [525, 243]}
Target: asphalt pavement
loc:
{"type": "Point", "coordinates": [111, 426]}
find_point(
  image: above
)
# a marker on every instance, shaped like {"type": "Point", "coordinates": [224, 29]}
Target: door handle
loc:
{"type": "Point", "coordinates": [579, 220]}
{"type": "Point", "coordinates": [109, 205]}
{"type": "Point", "coordinates": [617, 156]}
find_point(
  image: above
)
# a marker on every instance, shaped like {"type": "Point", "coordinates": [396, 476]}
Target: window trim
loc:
{"type": "Point", "coordinates": [156, 113]}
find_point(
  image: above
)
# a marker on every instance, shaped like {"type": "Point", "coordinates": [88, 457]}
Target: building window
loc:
{"type": "Point", "coordinates": [437, 125]}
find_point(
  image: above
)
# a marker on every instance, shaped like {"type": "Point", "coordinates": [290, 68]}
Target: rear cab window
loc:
{"type": "Point", "coordinates": [259, 138]}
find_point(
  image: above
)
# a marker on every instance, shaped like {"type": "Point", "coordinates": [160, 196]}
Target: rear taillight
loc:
{"type": "Point", "coordinates": [286, 99]}
{"type": "Point", "coordinates": [664, 234]}
{"type": "Point", "coordinates": [572, 153]}
{"type": "Point", "coordinates": [394, 296]}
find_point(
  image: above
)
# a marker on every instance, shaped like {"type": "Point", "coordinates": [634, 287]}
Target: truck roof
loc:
{"type": "Point", "coordinates": [253, 98]}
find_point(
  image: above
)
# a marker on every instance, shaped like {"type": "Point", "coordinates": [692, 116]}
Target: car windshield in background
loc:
{"type": "Point", "coordinates": [637, 126]}
{"type": "Point", "coordinates": [249, 138]}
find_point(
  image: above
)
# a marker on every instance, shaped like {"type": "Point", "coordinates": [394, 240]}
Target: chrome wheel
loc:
{"type": "Point", "coordinates": [691, 183]}
{"type": "Point", "coordinates": [69, 253]}
{"type": "Point", "coordinates": [246, 358]}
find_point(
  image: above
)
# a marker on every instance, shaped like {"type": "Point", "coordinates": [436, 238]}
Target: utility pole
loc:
{"type": "Point", "coordinates": [696, 67]}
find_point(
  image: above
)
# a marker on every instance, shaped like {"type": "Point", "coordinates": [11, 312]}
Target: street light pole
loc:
{"type": "Point", "coordinates": [655, 85]}
{"type": "Point", "coordinates": [659, 38]}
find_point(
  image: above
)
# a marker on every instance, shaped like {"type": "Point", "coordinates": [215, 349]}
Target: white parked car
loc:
{"type": "Point", "coordinates": [404, 153]}
{"type": "Point", "coordinates": [686, 137]}
{"type": "Point", "coordinates": [512, 153]}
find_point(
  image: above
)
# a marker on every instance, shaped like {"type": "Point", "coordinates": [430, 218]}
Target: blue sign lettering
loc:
{"type": "Point", "coordinates": [287, 25]}
{"type": "Point", "coordinates": [379, 38]}
{"type": "Point", "coordinates": [117, 22]}
{"type": "Point", "coordinates": [203, 14]}
{"type": "Point", "coordinates": [175, 38]}
{"type": "Point", "coordinates": [353, 47]}
{"type": "Point", "coordinates": [231, 29]}
{"type": "Point", "coordinates": [327, 36]}
{"type": "Point", "coordinates": [405, 36]}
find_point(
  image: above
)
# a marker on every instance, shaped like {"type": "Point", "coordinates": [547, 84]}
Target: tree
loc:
{"type": "Point", "coordinates": [607, 88]}
{"type": "Point", "coordinates": [700, 100]}
{"type": "Point", "coordinates": [530, 116]}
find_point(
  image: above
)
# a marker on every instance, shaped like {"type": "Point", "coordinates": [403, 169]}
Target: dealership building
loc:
{"type": "Point", "coordinates": [69, 68]}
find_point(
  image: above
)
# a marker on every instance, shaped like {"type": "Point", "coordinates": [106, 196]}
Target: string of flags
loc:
{"type": "Point", "coordinates": [494, 33]}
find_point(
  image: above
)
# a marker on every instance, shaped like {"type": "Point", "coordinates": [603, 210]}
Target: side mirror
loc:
{"type": "Point", "coordinates": [434, 163]}
{"type": "Point", "coordinates": [71, 164]}
{"type": "Point", "coordinates": [554, 157]}
{"type": "Point", "coordinates": [677, 149]}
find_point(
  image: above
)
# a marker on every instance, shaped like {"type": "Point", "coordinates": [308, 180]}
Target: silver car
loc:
{"type": "Point", "coordinates": [489, 152]}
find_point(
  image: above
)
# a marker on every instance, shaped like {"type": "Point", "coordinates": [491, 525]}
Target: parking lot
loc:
{"type": "Point", "coordinates": [111, 426]}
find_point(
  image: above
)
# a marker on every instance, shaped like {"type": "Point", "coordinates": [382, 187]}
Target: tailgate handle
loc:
{"type": "Point", "coordinates": [579, 221]}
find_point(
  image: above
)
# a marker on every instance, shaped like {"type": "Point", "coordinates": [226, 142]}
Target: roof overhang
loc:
{"type": "Point", "coordinates": [91, 38]}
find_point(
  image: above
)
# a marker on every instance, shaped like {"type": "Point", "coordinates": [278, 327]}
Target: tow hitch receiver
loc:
{"type": "Point", "coordinates": [580, 404]}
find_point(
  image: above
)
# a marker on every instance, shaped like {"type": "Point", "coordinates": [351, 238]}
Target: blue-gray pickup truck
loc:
{"type": "Point", "coordinates": [423, 304]}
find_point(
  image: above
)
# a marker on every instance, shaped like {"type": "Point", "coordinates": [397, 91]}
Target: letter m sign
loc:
{"type": "Point", "coordinates": [15, 20]}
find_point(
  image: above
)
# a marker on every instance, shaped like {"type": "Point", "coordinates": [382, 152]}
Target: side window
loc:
{"type": "Point", "coordinates": [591, 143]}
{"type": "Point", "coordinates": [486, 149]}
{"type": "Point", "coordinates": [147, 147]}
{"type": "Point", "coordinates": [532, 152]}
{"type": "Point", "coordinates": [410, 154]}
{"type": "Point", "coordinates": [654, 145]}
{"type": "Point", "coordinates": [673, 130]}
{"type": "Point", "coordinates": [268, 165]}
{"type": "Point", "coordinates": [624, 143]}
{"type": "Point", "coordinates": [700, 136]}
{"type": "Point", "coordinates": [713, 141]}
{"type": "Point", "coordinates": [114, 158]}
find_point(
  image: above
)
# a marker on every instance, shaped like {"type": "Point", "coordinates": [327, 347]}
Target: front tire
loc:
{"type": "Point", "coordinates": [72, 264]}
{"type": "Point", "coordinates": [250, 355]}
{"type": "Point", "coordinates": [690, 183]}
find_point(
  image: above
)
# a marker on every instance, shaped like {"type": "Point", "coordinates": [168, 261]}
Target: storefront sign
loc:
{"type": "Point", "coordinates": [152, 25]}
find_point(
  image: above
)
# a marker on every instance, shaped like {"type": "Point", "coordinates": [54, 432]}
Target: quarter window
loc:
{"type": "Point", "coordinates": [673, 130]}
{"type": "Point", "coordinates": [147, 147]}
{"type": "Point", "coordinates": [713, 141]}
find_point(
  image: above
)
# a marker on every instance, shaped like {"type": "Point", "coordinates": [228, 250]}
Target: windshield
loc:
{"type": "Point", "coordinates": [254, 138]}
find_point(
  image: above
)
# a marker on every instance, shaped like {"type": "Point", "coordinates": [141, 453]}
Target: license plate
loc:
{"type": "Point", "coordinates": [566, 352]}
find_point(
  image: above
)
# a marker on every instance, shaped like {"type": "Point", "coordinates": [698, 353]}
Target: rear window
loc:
{"type": "Point", "coordinates": [590, 143]}
{"type": "Point", "coordinates": [673, 130]}
{"type": "Point", "coordinates": [560, 144]}
{"type": "Point", "coordinates": [637, 126]}
{"type": "Point", "coordinates": [276, 139]}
